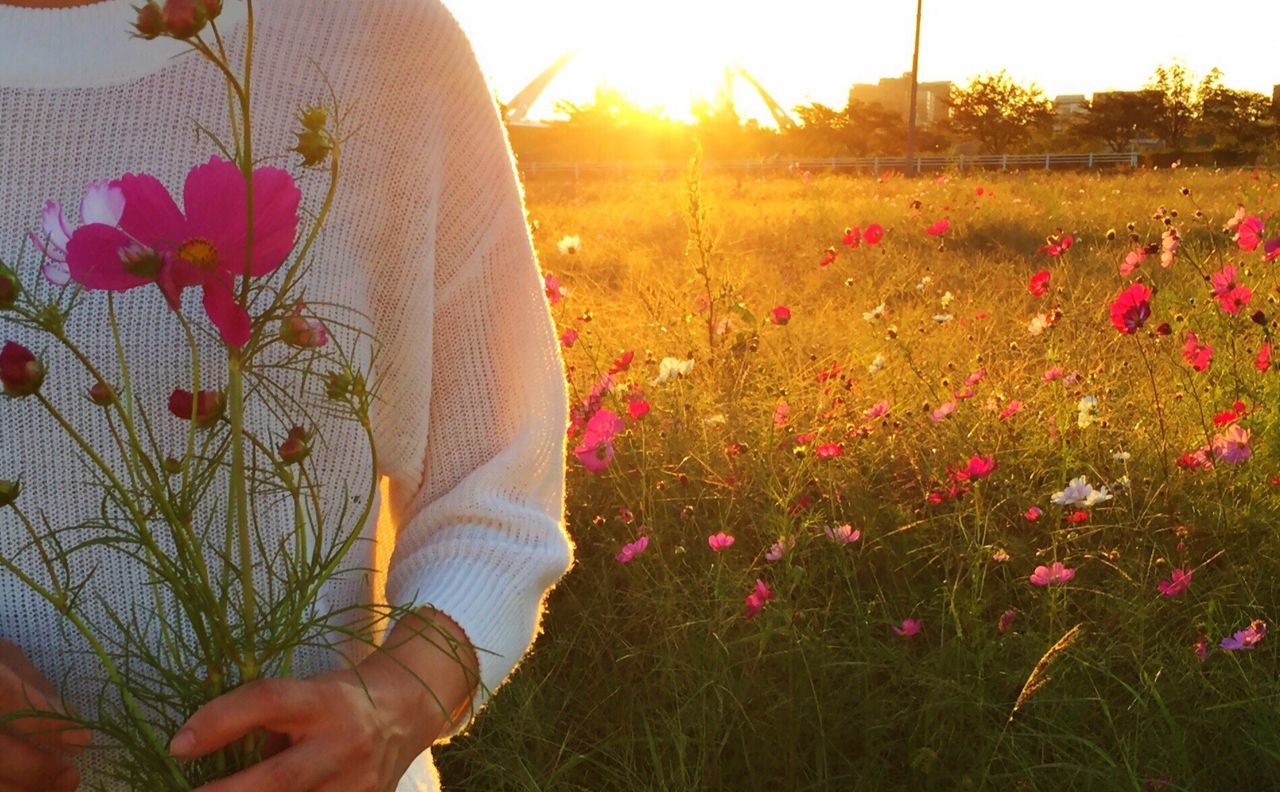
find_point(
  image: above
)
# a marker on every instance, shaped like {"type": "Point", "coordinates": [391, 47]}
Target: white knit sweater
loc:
{"type": "Point", "coordinates": [427, 237]}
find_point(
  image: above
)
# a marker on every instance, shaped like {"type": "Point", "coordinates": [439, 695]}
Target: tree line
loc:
{"type": "Point", "coordinates": [1176, 111]}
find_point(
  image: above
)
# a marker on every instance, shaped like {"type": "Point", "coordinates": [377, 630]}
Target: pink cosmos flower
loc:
{"type": "Point", "coordinates": [975, 378]}
{"type": "Point", "coordinates": [1006, 620]}
{"type": "Point", "coordinates": [1053, 374]}
{"type": "Point", "coordinates": [632, 549]}
{"type": "Point", "coordinates": [1176, 584]}
{"type": "Point", "coordinates": [876, 410]}
{"type": "Point", "coordinates": [1039, 283]}
{"type": "Point", "coordinates": [1132, 261]}
{"type": "Point", "coordinates": [1249, 233]}
{"type": "Point", "coordinates": [978, 467]}
{"type": "Point", "coordinates": [757, 598]}
{"type": "Point", "coordinates": [1262, 362]}
{"type": "Point", "coordinates": [780, 413]}
{"type": "Point", "coordinates": [1271, 250]}
{"type": "Point", "coordinates": [943, 412]}
{"type": "Point", "coordinates": [829, 450]}
{"type": "Point", "coordinates": [1033, 514]}
{"type": "Point", "coordinates": [779, 548]}
{"type": "Point", "coordinates": [1230, 295]}
{"type": "Point", "coordinates": [1048, 575]}
{"type": "Point", "coordinates": [720, 541]}
{"type": "Point", "coordinates": [909, 628]}
{"type": "Point", "coordinates": [1169, 243]}
{"type": "Point", "coordinates": [780, 315]}
{"type": "Point", "coordinates": [1247, 638]}
{"type": "Point", "coordinates": [102, 203]}
{"type": "Point", "coordinates": [551, 286]}
{"type": "Point", "coordinates": [1198, 355]}
{"type": "Point", "coordinates": [596, 447]}
{"type": "Point", "coordinates": [842, 534]}
{"type": "Point", "coordinates": [1010, 410]}
{"type": "Point", "coordinates": [156, 242]}
{"type": "Point", "coordinates": [828, 257]}
{"type": "Point", "coordinates": [1232, 446]}
{"type": "Point", "coordinates": [852, 237]}
{"type": "Point", "coordinates": [1201, 647]}
{"type": "Point", "coordinates": [939, 228]}
{"type": "Point", "coordinates": [873, 234]}
{"type": "Point", "coordinates": [1131, 308]}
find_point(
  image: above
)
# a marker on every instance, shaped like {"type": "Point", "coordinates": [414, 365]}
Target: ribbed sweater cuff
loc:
{"type": "Point", "coordinates": [498, 612]}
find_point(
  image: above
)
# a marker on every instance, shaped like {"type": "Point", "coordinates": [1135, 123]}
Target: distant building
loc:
{"type": "Point", "coordinates": [933, 99]}
{"type": "Point", "coordinates": [1067, 107]}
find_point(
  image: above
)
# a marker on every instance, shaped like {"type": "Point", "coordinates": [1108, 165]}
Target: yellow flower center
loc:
{"type": "Point", "coordinates": [200, 253]}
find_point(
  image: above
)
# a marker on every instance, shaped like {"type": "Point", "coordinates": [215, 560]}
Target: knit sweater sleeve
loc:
{"type": "Point", "coordinates": [481, 533]}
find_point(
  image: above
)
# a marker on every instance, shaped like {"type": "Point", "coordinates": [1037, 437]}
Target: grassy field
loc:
{"type": "Point", "coordinates": [907, 440]}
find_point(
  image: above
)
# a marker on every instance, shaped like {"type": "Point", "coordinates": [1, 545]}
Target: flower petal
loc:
{"type": "Point", "coordinates": [225, 313]}
{"type": "Point", "coordinates": [93, 258]}
{"type": "Point", "coordinates": [150, 215]}
{"type": "Point", "coordinates": [103, 203]}
{"type": "Point", "coordinates": [275, 218]}
{"type": "Point", "coordinates": [54, 225]}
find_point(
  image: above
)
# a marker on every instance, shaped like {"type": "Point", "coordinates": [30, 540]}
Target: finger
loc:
{"type": "Point", "coordinates": [303, 767]}
{"type": "Point", "coordinates": [15, 659]}
{"type": "Point", "coordinates": [26, 767]}
{"type": "Point", "coordinates": [279, 705]}
{"type": "Point", "coordinates": [18, 695]}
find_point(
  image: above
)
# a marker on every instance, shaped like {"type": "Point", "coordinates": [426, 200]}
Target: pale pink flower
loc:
{"type": "Point", "coordinates": [1232, 446]}
{"type": "Point", "coordinates": [1006, 620]}
{"type": "Point", "coordinates": [876, 410]}
{"type": "Point", "coordinates": [943, 412]}
{"type": "Point", "coordinates": [779, 548]}
{"type": "Point", "coordinates": [1056, 574]}
{"type": "Point", "coordinates": [843, 534]}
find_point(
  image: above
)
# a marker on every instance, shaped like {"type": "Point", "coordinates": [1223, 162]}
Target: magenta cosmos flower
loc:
{"type": "Point", "coordinates": [1177, 583]}
{"type": "Point", "coordinates": [909, 628]}
{"type": "Point", "coordinates": [1247, 638]}
{"type": "Point", "coordinates": [1131, 308]}
{"type": "Point", "coordinates": [156, 242]}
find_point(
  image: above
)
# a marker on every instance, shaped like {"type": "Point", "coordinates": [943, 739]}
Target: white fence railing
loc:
{"type": "Point", "coordinates": [873, 165]}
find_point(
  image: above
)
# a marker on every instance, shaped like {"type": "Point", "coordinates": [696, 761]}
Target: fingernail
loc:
{"type": "Point", "coordinates": [68, 781]}
{"type": "Point", "coordinates": [183, 743]}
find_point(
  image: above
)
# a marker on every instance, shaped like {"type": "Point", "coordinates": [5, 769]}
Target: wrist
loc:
{"type": "Point", "coordinates": [424, 674]}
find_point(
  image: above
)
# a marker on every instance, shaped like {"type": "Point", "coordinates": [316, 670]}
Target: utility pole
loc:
{"type": "Point", "coordinates": [910, 168]}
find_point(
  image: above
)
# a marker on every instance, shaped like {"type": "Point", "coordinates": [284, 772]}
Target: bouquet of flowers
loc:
{"type": "Point", "coordinates": [228, 603]}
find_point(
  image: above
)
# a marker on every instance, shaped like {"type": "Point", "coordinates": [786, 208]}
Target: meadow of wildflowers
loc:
{"type": "Point", "coordinates": [957, 483]}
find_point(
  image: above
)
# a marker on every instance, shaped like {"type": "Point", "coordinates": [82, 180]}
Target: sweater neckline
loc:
{"type": "Point", "coordinates": [86, 46]}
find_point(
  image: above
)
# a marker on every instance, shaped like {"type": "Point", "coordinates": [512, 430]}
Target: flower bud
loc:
{"type": "Point", "coordinates": [295, 448]}
{"type": "Point", "coordinates": [102, 394]}
{"type": "Point", "coordinates": [9, 288]}
{"type": "Point", "coordinates": [20, 373]}
{"type": "Point", "coordinates": [183, 18]}
{"type": "Point", "coordinates": [9, 491]}
{"type": "Point", "coordinates": [302, 333]}
{"type": "Point", "coordinates": [150, 21]}
{"type": "Point", "coordinates": [172, 466]}
{"type": "Point", "coordinates": [211, 9]}
{"type": "Point", "coordinates": [209, 406]}
{"type": "Point", "coordinates": [314, 118]}
{"type": "Point", "coordinates": [314, 145]}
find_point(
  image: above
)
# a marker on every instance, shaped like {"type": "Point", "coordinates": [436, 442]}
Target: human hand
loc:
{"type": "Point", "coordinates": [344, 731]}
{"type": "Point", "coordinates": [33, 750]}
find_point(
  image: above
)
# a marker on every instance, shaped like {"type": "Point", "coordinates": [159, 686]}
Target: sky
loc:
{"type": "Point", "coordinates": [668, 52]}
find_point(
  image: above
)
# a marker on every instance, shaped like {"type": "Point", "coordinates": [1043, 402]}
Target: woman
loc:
{"type": "Point", "coordinates": [428, 238]}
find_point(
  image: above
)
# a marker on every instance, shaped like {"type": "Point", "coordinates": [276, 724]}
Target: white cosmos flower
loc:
{"type": "Point", "coordinates": [1080, 493]}
{"type": "Point", "coordinates": [877, 365]}
{"type": "Point", "coordinates": [874, 313]}
{"type": "Point", "coordinates": [670, 368]}
{"type": "Point", "coordinates": [569, 244]}
{"type": "Point", "coordinates": [1087, 412]}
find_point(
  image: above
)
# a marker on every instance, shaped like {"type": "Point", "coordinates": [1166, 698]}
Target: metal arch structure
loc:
{"type": "Point", "coordinates": [780, 116]}
{"type": "Point", "coordinates": [516, 111]}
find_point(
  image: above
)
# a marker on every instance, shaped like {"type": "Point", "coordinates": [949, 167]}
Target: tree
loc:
{"type": "Point", "coordinates": [997, 112]}
{"type": "Point", "coordinates": [1237, 119]}
{"type": "Point", "coordinates": [1181, 101]}
{"type": "Point", "coordinates": [860, 129]}
{"type": "Point", "coordinates": [1117, 118]}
